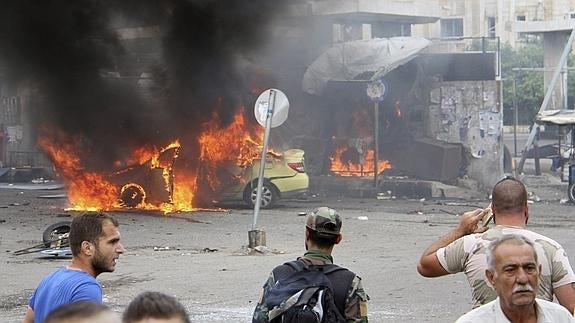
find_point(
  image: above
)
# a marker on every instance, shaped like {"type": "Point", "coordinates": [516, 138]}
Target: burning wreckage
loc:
{"type": "Point", "coordinates": [152, 179]}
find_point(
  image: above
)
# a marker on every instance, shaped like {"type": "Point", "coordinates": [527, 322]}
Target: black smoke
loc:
{"type": "Point", "coordinates": [69, 55]}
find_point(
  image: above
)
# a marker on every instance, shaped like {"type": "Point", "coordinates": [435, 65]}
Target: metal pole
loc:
{"type": "Point", "coordinates": [548, 95]}
{"type": "Point", "coordinates": [564, 76]}
{"type": "Point", "coordinates": [515, 116]}
{"type": "Point", "coordinates": [269, 114]}
{"type": "Point", "coordinates": [376, 145]}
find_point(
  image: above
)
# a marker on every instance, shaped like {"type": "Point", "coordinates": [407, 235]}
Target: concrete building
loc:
{"type": "Point", "coordinates": [451, 115]}
{"type": "Point", "coordinates": [513, 22]}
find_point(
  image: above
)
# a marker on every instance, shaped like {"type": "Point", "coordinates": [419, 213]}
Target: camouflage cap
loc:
{"type": "Point", "coordinates": [324, 221]}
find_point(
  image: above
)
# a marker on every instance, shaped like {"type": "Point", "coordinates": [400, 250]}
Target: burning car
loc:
{"type": "Point", "coordinates": [284, 176]}
{"type": "Point", "coordinates": [150, 182]}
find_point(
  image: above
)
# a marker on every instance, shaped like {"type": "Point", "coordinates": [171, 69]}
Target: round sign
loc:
{"type": "Point", "coordinates": [377, 90]}
{"type": "Point", "coordinates": [278, 112]}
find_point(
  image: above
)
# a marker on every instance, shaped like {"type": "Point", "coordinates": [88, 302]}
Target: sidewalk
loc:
{"type": "Point", "coordinates": [546, 187]}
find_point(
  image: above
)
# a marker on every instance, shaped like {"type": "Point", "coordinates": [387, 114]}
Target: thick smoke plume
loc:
{"type": "Point", "coordinates": [68, 52]}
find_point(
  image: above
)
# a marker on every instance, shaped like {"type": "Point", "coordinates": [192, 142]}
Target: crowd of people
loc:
{"type": "Point", "coordinates": [514, 273]}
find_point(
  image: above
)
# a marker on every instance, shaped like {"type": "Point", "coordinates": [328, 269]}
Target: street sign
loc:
{"type": "Point", "coordinates": [271, 110]}
{"type": "Point", "coordinates": [278, 113]}
{"type": "Point", "coordinates": [377, 90]}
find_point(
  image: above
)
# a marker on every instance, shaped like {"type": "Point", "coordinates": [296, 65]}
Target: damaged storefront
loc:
{"type": "Point", "coordinates": [439, 120]}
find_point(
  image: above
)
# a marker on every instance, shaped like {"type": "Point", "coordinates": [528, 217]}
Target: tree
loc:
{"type": "Point", "coordinates": [529, 87]}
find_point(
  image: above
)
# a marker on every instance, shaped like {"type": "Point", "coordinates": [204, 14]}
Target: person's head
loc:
{"type": "Point", "coordinates": [509, 197]}
{"type": "Point", "coordinates": [323, 228]}
{"type": "Point", "coordinates": [513, 271]}
{"type": "Point", "coordinates": [82, 312]}
{"type": "Point", "coordinates": [95, 237]}
{"type": "Point", "coordinates": [155, 307]}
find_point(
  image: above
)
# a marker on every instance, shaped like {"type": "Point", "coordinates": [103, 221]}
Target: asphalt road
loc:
{"type": "Point", "coordinates": [205, 264]}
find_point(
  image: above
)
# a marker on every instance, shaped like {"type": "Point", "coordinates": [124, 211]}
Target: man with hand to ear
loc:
{"type": "Point", "coordinates": [463, 249]}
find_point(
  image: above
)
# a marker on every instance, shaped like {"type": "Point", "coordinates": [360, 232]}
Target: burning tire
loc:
{"type": "Point", "coordinates": [132, 195]}
{"type": "Point", "coordinates": [53, 231]}
{"type": "Point", "coordinates": [269, 194]}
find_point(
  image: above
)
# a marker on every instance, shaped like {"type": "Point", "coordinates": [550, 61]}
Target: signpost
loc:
{"type": "Point", "coordinates": [271, 110]}
{"type": "Point", "coordinates": [376, 91]}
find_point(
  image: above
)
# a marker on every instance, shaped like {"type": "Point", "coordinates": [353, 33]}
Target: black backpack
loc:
{"type": "Point", "coordinates": [304, 293]}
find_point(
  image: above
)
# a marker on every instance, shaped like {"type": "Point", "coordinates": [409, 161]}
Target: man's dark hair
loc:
{"type": "Point", "coordinates": [509, 195]}
{"type": "Point", "coordinates": [76, 310]}
{"type": "Point", "coordinates": [154, 305]}
{"type": "Point", "coordinates": [324, 241]}
{"type": "Point", "coordinates": [88, 227]}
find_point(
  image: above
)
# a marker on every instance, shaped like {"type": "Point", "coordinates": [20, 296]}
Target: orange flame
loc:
{"type": "Point", "coordinates": [86, 190]}
{"type": "Point", "coordinates": [237, 143]}
{"type": "Point", "coordinates": [348, 167]}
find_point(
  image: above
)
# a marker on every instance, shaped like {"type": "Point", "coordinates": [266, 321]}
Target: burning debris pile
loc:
{"type": "Point", "coordinates": [354, 155]}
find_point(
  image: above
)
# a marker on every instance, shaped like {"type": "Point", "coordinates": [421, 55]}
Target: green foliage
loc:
{"type": "Point", "coordinates": [529, 87]}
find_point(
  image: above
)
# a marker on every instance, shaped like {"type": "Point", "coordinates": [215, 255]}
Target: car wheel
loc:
{"type": "Point", "coordinates": [269, 195]}
{"type": "Point", "coordinates": [572, 193]}
{"type": "Point", "coordinates": [132, 195]}
{"type": "Point", "coordinates": [53, 231]}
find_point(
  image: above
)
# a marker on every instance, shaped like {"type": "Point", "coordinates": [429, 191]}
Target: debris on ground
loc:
{"type": "Point", "coordinates": [257, 250]}
{"type": "Point", "coordinates": [163, 248]}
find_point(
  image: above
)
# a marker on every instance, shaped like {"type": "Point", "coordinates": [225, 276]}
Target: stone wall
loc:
{"type": "Point", "coordinates": [468, 113]}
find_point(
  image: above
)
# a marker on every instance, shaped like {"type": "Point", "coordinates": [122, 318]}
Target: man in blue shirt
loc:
{"type": "Point", "coordinates": [95, 244]}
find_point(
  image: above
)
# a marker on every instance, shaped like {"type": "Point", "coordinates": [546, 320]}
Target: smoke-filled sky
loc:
{"type": "Point", "coordinates": [62, 49]}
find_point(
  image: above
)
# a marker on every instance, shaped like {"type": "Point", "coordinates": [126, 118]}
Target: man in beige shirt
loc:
{"type": "Point", "coordinates": [463, 248]}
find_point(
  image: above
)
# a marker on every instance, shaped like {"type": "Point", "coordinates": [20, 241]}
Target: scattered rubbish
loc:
{"type": "Point", "coordinates": [19, 204]}
{"type": "Point", "coordinates": [210, 249]}
{"type": "Point", "coordinates": [32, 186]}
{"type": "Point", "coordinates": [563, 201]}
{"type": "Point", "coordinates": [301, 213]}
{"type": "Point", "coordinates": [533, 196]}
{"type": "Point", "coordinates": [54, 241]}
{"type": "Point", "coordinates": [422, 200]}
{"type": "Point", "coordinates": [448, 212]}
{"type": "Point", "coordinates": [54, 196]}
{"type": "Point", "coordinates": [362, 218]}
{"type": "Point", "coordinates": [384, 196]}
{"type": "Point", "coordinates": [262, 249]}
{"type": "Point", "coordinates": [40, 180]}
{"type": "Point", "coordinates": [162, 248]}
{"type": "Point", "coordinates": [258, 250]}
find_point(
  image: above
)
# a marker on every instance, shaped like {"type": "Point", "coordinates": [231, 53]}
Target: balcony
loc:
{"type": "Point", "coordinates": [366, 11]}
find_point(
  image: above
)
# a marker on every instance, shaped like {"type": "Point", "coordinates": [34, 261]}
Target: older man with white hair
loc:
{"type": "Point", "coordinates": [513, 271]}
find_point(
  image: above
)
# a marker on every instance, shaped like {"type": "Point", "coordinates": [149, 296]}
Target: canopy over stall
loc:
{"type": "Point", "coordinates": [365, 60]}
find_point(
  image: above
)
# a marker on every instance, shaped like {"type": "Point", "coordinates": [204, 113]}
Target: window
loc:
{"type": "Point", "coordinates": [452, 27]}
{"type": "Point", "coordinates": [520, 18]}
{"type": "Point", "coordinates": [390, 29]}
{"type": "Point", "coordinates": [490, 26]}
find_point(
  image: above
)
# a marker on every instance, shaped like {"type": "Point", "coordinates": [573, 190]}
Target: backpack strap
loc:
{"type": "Point", "coordinates": [341, 279]}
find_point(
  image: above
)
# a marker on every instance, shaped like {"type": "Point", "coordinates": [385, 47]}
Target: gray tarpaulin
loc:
{"type": "Point", "coordinates": [346, 61]}
{"type": "Point", "coordinates": [558, 117]}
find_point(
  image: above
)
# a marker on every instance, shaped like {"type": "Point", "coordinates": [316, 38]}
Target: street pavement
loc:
{"type": "Point", "coordinates": [202, 258]}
